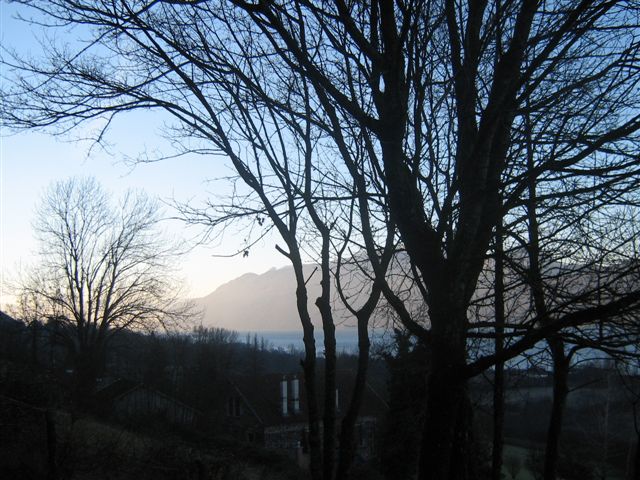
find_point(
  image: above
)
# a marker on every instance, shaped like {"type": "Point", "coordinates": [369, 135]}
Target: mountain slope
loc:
{"type": "Point", "coordinates": [255, 302]}
{"type": "Point", "coordinates": [267, 302]}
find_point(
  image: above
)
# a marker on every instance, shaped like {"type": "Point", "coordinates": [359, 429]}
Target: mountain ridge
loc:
{"type": "Point", "coordinates": [259, 302]}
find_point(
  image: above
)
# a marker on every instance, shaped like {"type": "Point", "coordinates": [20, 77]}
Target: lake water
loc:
{"type": "Point", "coordinates": [346, 340]}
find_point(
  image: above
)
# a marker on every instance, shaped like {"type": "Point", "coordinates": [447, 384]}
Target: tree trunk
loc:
{"type": "Point", "coordinates": [498, 423]}
{"type": "Point", "coordinates": [87, 368]}
{"type": "Point", "coordinates": [315, 446]}
{"type": "Point", "coordinates": [498, 418]}
{"type": "Point", "coordinates": [446, 439]}
{"type": "Point", "coordinates": [329, 416]}
{"type": "Point", "coordinates": [309, 362]}
{"type": "Point", "coordinates": [636, 463]}
{"type": "Point", "coordinates": [309, 369]}
{"type": "Point", "coordinates": [560, 392]}
{"type": "Point", "coordinates": [560, 360]}
{"type": "Point", "coordinates": [347, 440]}
{"type": "Point", "coordinates": [498, 380]}
{"type": "Point", "coordinates": [446, 434]}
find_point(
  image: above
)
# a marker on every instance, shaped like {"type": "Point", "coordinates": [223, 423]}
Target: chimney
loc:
{"type": "Point", "coordinates": [283, 396]}
{"type": "Point", "coordinates": [295, 394]}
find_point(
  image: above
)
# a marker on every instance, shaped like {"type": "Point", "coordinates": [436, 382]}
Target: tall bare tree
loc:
{"type": "Point", "coordinates": [102, 268]}
{"type": "Point", "coordinates": [292, 189]}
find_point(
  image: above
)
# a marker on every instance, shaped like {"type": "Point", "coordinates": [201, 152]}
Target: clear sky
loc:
{"type": "Point", "coordinates": [30, 161]}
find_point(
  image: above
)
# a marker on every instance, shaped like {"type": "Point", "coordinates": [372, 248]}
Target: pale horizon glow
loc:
{"type": "Point", "coordinates": [31, 161]}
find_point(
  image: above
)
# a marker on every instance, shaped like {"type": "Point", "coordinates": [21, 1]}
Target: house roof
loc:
{"type": "Point", "coordinates": [115, 389]}
{"type": "Point", "coordinates": [122, 386]}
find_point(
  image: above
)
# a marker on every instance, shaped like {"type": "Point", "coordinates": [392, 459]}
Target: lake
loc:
{"type": "Point", "coordinates": [346, 340]}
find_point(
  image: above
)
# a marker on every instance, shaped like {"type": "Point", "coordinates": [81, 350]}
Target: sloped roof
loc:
{"type": "Point", "coordinates": [123, 386]}
{"type": "Point", "coordinates": [115, 390]}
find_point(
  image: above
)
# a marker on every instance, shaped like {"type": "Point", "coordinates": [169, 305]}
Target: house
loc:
{"type": "Point", "coordinates": [126, 399]}
{"type": "Point", "coordinates": [272, 410]}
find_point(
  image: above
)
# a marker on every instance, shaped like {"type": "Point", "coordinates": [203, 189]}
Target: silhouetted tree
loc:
{"type": "Point", "coordinates": [102, 268]}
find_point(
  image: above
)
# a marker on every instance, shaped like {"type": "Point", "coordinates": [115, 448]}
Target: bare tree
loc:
{"type": "Point", "coordinates": [579, 241]}
{"type": "Point", "coordinates": [435, 95]}
{"type": "Point", "coordinates": [312, 208]}
{"type": "Point", "coordinates": [103, 268]}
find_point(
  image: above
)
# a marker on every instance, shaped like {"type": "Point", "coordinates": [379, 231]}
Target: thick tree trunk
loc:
{"type": "Point", "coordinates": [446, 434]}
{"type": "Point", "coordinates": [560, 393]}
{"type": "Point", "coordinates": [446, 439]}
{"type": "Point", "coordinates": [88, 366]}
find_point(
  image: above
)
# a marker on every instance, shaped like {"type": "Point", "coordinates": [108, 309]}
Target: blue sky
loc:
{"type": "Point", "coordinates": [30, 161]}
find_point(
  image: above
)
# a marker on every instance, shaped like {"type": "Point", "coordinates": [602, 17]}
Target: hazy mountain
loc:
{"type": "Point", "coordinates": [255, 302]}
{"type": "Point", "coordinates": [267, 301]}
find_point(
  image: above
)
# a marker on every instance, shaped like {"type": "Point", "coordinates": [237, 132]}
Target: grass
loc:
{"type": "Point", "coordinates": [518, 455]}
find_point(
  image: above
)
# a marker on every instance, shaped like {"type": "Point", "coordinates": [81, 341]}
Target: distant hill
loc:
{"type": "Point", "coordinates": [255, 302]}
{"type": "Point", "coordinates": [267, 302]}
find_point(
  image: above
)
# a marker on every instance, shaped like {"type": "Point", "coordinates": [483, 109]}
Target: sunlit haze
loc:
{"type": "Point", "coordinates": [31, 161]}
